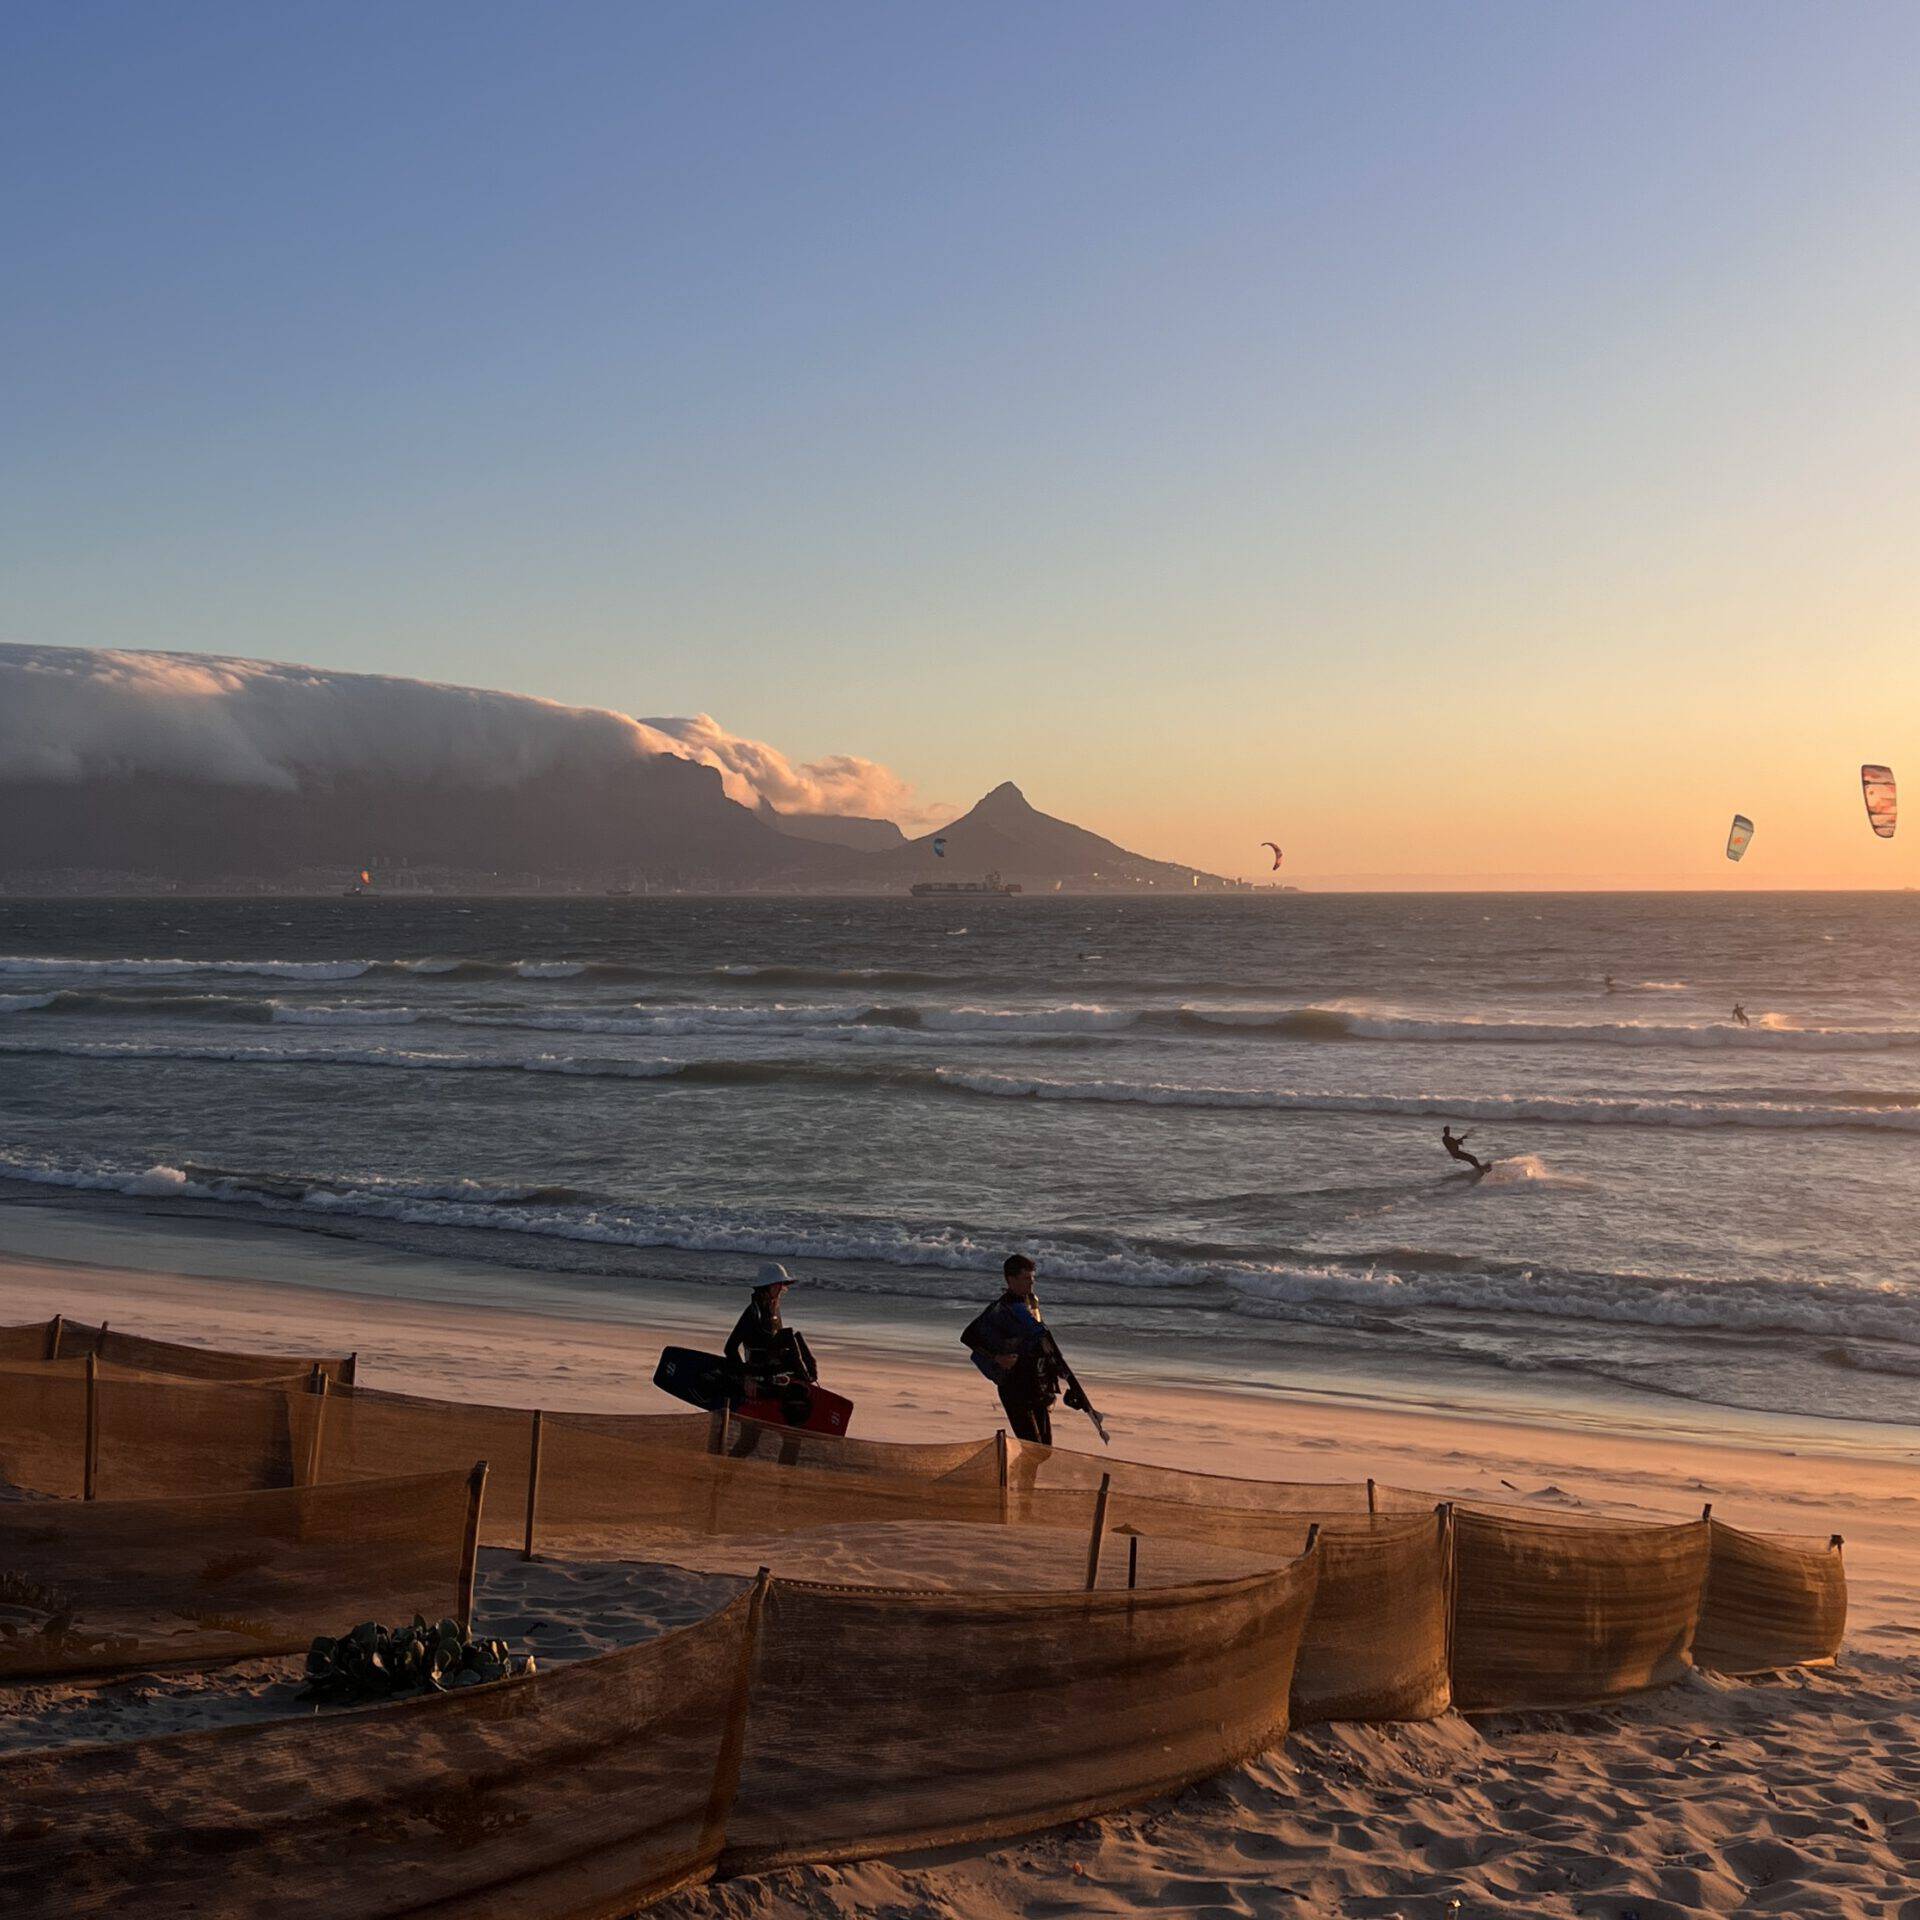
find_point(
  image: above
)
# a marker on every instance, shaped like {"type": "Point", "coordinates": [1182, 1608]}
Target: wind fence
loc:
{"type": "Point", "coordinates": [581, 1792]}
{"type": "Point", "coordinates": [800, 1722]}
{"type": "Point", "coordinates": [60, 1338]}
{"type": "Point", "coordinates": [1559, 1616]}
{"type": "Point", "coordinates": [113, 1434]}
{"type": "Point", "coordinates": [1772, 1600]}
{"type": "Point", "coordinates": [92, 1587]}
{"type": "Point", "coordinates": [1519, 1609]}
{"type": "Point", "coordinates": [883, 1720]}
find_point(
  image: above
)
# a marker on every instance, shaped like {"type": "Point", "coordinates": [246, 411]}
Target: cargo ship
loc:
{"type": "Point", "coordinates": [944, 889]}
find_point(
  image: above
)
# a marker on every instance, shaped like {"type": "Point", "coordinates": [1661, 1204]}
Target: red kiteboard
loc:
{"type": "Point", "coordinates": [705, 1380]}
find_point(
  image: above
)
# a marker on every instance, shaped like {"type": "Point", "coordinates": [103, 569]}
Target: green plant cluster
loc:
{"type": "Point", "coordinates": [382, 1663]}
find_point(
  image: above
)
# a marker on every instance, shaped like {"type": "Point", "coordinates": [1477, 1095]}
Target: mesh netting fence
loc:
{"type": "Point", "coordinates": [880, 1720]}
{"type": "Point", "coordinates": [90, 1587]}
{"type": "Point", "coordinates": [600, 1480]}
{"type": "Point", "coordinates": [800, 1722]}
{"type": "Point", "coordinates": [61, 1339]}
{"type": "Point", "coordinates": [579, 1793]}
{"type": "Point", "coordinates": [1560, 1616]}
{"type": "Point", "coordinates": [950, 1716]}
{"type": "Point", "coordinates": [1771, 1600]}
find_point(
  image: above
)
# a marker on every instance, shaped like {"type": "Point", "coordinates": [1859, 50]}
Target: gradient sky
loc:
{"type": "Point", "coordinates": [1457, 440]}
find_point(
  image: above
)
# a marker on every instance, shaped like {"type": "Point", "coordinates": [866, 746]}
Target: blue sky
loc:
{"type": "Point", "coordinates": [1225, 420]}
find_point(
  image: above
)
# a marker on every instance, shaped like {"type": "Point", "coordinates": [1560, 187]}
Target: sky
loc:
{"type": "Point", "coordinates": [1465, 443]}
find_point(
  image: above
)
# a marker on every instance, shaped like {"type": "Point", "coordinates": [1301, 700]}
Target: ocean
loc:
{"type": "Point", "coordinates": [1215, 1123]}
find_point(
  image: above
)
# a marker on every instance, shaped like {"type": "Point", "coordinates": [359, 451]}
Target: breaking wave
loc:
{"type": "Point", "coordinates": [1771, 1034]}
{"type": "Point", "coordinates": [1586, 1110]}
{"type": "Point", "coordinates": [1282, 1289]}
{"type": "Point", "coordinates": [1549, 1109]}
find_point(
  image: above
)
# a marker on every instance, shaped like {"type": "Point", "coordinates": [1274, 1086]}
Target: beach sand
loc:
{"type": "Point", "coordinates": [1796, 1795]}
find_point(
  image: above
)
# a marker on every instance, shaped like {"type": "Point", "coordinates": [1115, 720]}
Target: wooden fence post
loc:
{"type": "Point", "coordinates": [55, 1328]}
{"type": "Point", "coordinates": [470, 1548]}
{"type": "Point", "coordinates": [1001, 1451]}
{"type": "Point", "coordinates": [1099, 1531]}
{"type": "Point", "coordinates": [350, 1369]}
{"type": "Point", "coordinates": [317, 1384]}
{"type": "Point", "coordinates": [90, 1466]}
{"type": "Point", "coordinates": [1372, 1506]}
{"type": "Point", "coordinates": [1706, 1512]}
{"type": "Point", "coordinates": [733, 1745]}
{"type": "Point", "coordinates": [533, 1484]}
{"type": "Point", "coordinates": [719, 1426]}
{"type": "Point", "coordinates": [1133, 1562]}
{"type": "Point", "coordinates": [1451, 1562]}
{"type": "Point", "coordinates": [100, 1341]}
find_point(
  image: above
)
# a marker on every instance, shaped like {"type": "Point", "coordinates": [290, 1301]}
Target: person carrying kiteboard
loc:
{"type": "Point", "coordinates": [772, 1359]}
{"type": "Point", "coordinates": [1013, 1346]}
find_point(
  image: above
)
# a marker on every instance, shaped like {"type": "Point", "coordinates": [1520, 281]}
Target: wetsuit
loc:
{"type": "Point", "coordinates": [1027, 1388]}
{"type": "Point", "coordinates": [1459, 1152]}
{"type": "Point", "coordinates": [772, 1358]}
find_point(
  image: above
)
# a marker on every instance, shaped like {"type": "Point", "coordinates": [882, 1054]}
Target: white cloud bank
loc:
{"type": "Point", "coordinates": [72, 713]}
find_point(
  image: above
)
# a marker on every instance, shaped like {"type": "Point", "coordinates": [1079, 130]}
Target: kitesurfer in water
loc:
{"type": "Point", "coordinates": [1456, 1145]}
{"type": "Point", "coordinates": [1740, 1015]}
{"type": "Point", "coordinates": [770, 1358]}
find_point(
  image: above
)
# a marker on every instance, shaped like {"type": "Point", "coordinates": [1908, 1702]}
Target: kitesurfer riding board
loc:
{"type": "Point", "coordinates": [1740, 1016]}
{"type": "Point", "coordinates": [1455, 1144]}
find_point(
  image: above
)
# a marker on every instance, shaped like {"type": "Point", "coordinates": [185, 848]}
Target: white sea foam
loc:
{"type": "Point", "coordinates": [1526, 1170]}
{"type": "Point", "coordinates": [776, 1019]}
{"type": "Point", "coordinates": [1551, 1109]}
{"type": "Point", "coordinates": [293, 1014]}
{"type": "Point", "coordinates": [1074, 1018]}
{"type": "Point", "coordinates": [42, 966]}
{"type": "Point", "coordinates": [400, 1058]}
{"type": "Point", "coordinates": [1845, 1309]}
{"type": "Point", "coordinates": [1772, 1032]}
{"type": "Point", "coordinates": [1546, 1109]}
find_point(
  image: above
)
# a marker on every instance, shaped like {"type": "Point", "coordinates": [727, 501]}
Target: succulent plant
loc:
{"type": "Point", "coordinates": [372, 1662]}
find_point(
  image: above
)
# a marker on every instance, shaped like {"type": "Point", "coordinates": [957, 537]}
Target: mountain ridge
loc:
{"type": "Point", "coordinates": [128, 771]}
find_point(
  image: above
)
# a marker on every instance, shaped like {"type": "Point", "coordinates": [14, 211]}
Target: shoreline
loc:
{"type": "Point", "coordinates": [530, 1355]}
{"type": "Point", "coordinates": [695, 1293]}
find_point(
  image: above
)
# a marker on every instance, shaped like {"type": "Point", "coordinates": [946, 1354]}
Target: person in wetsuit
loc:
{"type": "Point", "coordinates": [1009, 1344]}
{"type": "Point", "coordinates": [1740, 1015]}
{"type": "Point", "coordinates": [1455, 1144]}
{"type": "Point", "coordinates": [771, 1359]}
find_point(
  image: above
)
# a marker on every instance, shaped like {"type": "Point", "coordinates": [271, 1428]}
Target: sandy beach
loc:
{"type": "Point", "coordinates": [1797, 1794]}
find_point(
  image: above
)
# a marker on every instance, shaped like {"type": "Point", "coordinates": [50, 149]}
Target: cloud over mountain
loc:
{"type": "Point", "coordinates": [72, 714]}
{"type": "Point", "coordinates": [840, 784]}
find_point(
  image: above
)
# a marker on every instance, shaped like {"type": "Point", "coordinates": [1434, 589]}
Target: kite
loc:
{"type": "Point", "coordinates": [1883, 802]}
{"type": "Point", "coordinates": [939, 846]}
{"type": "Point", "coordinates": [1739, 836]}
{"type": "Point", "coordinates": [1276, 854]}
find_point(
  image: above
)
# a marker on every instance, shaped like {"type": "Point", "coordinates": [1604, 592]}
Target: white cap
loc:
{"type": "Point", "coordinates": [772, 1274]}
